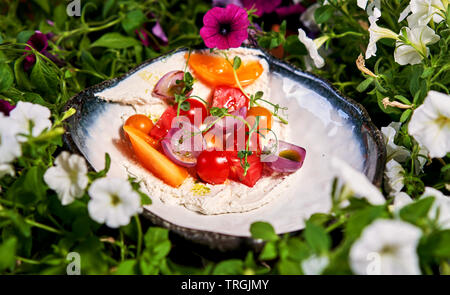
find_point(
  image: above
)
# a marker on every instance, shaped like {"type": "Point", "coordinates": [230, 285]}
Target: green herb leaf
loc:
{"type": "Point", "coordinates": [264, 231]}
{"type": "Point", "coordinates": [116, 41]}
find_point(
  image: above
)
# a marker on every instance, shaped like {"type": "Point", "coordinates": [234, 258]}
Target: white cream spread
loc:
{"type": "Point", "coordinates": [313, 124]}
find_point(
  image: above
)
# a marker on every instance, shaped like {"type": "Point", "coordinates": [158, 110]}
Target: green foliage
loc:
{"type": "Point", "coordinates": [37, 232]}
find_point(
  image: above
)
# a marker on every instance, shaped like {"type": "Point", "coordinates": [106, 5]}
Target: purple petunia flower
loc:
{"type": "Point", "coordinates": [5, 107]}
{"type": "Point", "coordinates": [225, 27]}
{"type": "Point", "coordinates": [261, 6]}
{"type": "Point", "coordinates": [156, 30]}
{"type": "Point", "coordinates": [39, 42]}
{"type": "Point", "coordinates": [285, 11]}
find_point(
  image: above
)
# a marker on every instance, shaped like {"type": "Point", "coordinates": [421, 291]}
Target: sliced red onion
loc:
{"type": "Point", "coordinates": [287, 158]}
{"type": "Point", "coordinates": [183, 145]}
{"type": "Point", "coordinates": [167, 86]}
{"type": "Point", "coordinates": [229, 124]}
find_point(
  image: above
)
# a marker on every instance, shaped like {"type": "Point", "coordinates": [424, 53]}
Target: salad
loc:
{"type": "Point", "coordinates": [227, 137]}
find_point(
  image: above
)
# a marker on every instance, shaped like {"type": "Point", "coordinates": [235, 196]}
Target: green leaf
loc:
{"type": "Point", "coordinates": [60, 16]}
{"type": "Point", "coordinates": [437, 245]}
{"type": "Point", "coordinates": [7, 254]}
{"type": "Point", "coordinates": [236, 62]}
{"type": "Point", "coordinates": [44, 78]}
{"type": "Point", "coordinates": [229, 267]}
{"type": "Point", "coordinates": [294, 46]}
{"type": "Point", "coordinates": [126, 267]}
{"type": "Point", "coordinates": [24, 36]}
{"type": "Point", "coordinates": [364, 84]}
{"type": "Point", "coordinates": [418, 210]}
{"type": "Point", "coordinates": [109, 4]}
{"type": "Point", "coordinates": [22, 79]}
{"type": "Point", "coordinates": [317, 238]}
{"type": "Point", "coordinates": [44, 4]}
{"type": "Point", "coordinates": [264, 231]}
{"type": "Point", "coordinates": [6, 77]}
{"type": "Point", "coordinates": [402, 99]}
{"type": "Point", "coordinates": [116, 41]}
{"type": "Point", "coordinates": [405, 116]}
{"type": "Point", "coordinates": [157, 242]}
{"type": "Point", "coordinates": [323, 13]}
{"type": "Point", "coordinates": [269, 251]}
{"type": "Point", "coordinates": [133, 20]}
{"type": "Point", "coordinates": [29, 187]}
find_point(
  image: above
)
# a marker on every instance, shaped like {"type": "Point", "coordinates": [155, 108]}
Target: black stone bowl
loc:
{"type": "Point", "coordinates": [369, 136]}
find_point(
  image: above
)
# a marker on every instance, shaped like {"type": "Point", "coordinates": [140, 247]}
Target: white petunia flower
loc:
{"type": "Point", "coordinates": [307, 17]}
{"type": "Point", "coordinates": [393, 177]}
{"type": "Point", "coordinates": [441, 206]}
{"type": "Point", "coordinates": [29, 116]}
{"type": "Point", "coordinates": [423, 11]}
{"type": "Point", "coordinates": [401, 199]}
{"type": "Point", "coordinates": [315, 265]}
{"type": "Point", "coordinates": [377, 33]}
{"type": "Point", "coordinates": [6, 169]}
{"type": "Point", "coordinates": [356, 182]}
{"type": "Point", "coordinates": [396, 152]}
{"type": "Point", "coordinates": [430, 124]}
{"type": "Point", "coordinates": [68, 178]}
{"type": "Point", "coordinates": [312, 46]}
{"type": "Point", "coordinates": [373, 9]}
{"type": "Point", "coordinates": [10, 148]}
{"type": "Point", "coordinates": [386, 247]}
{"type": "Point", "coordinates": [113, 201]}
{"type": "Point", "coordinates": [414, 53]}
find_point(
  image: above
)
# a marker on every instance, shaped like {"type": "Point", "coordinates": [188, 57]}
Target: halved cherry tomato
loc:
{"type": "Point", "coordinates": [254, 172]}
{"type": "Point", "coordinates": [229, 97]}
{"type": "Point", "coordinates": [265, 118]}
{"type": "Point", "coordinates": [214, 70]}
{"type": "Point", "coordinates": [140, 122]}
{"type": "Point", "coordinates": [212, 167]}
{"type": "Point", "coordinates": [164, 123]}
{"type": "Point", "coordinates": [196, 113]}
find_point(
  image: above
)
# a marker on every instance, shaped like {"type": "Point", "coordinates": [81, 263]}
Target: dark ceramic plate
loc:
{"type": "Point", "coordinates": [323, 121]}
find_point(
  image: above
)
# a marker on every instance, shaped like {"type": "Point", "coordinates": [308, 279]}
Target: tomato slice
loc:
{"type": "Point", "coordinates": [214, 70]}
{"type": "Point", "coordinates": [164, 123]}
{"type": "Point", "coordinates": [229, 97]}
{"type": "Point", "coordinates": [212, 167]}
{"type": "Point", "coordinates": [254, 172]}
{"type": "Point", "coordinates": [265, 118]}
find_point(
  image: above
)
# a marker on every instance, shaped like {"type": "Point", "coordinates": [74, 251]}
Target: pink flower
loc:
{"type": "Point", "coordinates": [261, 6]}
{"type": "Point", "coordinates": [225, 27]}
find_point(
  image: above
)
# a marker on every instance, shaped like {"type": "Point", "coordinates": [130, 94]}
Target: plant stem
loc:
{"type": "Point", "coordinates": [43, 226]}
{"type": "Point", "coordinates": [139, 228]}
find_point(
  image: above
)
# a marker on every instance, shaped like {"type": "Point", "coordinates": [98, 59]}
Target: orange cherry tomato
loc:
{"type": "Point", "coordinates": [265, 118]}
{"type": "Point", "coordinates": [140, 122]}
{"type": "Point", "coordinates": [215, 71]}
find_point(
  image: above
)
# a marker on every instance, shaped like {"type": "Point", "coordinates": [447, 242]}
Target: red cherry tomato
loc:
{"type": "Point", "coordinates": [196, 113]}
{"type": "Point", "coordinates": [140, 122]}
{"type": "Point", "coordinates": [164, 123]}
{"type": "Point", "coordinates": [212, 167]}
{"type": "Point", "coordinates": [254, 172]}
{"type": "Point", "coordinates": [229, 97]}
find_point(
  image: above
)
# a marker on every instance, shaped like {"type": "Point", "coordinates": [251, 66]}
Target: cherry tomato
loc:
{"type": "Point", "coordinates": [164, 123]}
{"type": "Point", "coordinates": [216, 71]}
{"type": "Point", "coordinates": [212, 167]}
{"type": "Point", "coordinates": [196, 113]}
{"type": "Point", "coordinates": [229, 97]}
{"type": "Point", "coordinates": [254, 172]}
{"type": "Point", "coordinates": [140, 122]}
{"type": "Point", "coordinates": [265, 118]}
